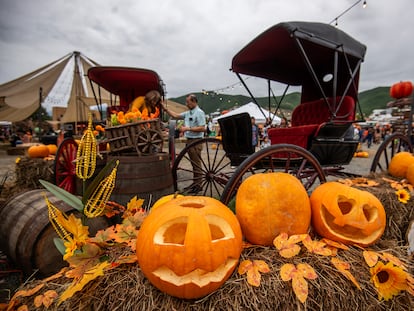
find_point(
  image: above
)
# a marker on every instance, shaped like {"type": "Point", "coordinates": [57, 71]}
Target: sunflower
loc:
{"type": "Point", "coordinates": [403, 195]}
{"type": "Point", "coordinates": [388, 279]}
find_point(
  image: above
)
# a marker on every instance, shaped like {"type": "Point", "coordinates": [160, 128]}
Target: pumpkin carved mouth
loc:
{"type": "Point", "coordinates": [197, 277]}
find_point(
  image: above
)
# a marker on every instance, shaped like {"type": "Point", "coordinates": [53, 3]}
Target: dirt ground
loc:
{"type": "Point", "coordinates": [359, 166]}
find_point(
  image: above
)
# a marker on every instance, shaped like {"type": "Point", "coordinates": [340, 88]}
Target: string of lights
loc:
{"type": "Point", "coordinates": [239, 84]}
{"type": "Point", "coordinates": [364, 5]}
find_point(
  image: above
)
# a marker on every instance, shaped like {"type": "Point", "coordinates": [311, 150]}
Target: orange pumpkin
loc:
{"type": "Point", "coordinates": [410, 174]}
{"type": "Point", "coordinates": [38, 151]}
{"type": "Point", "coordinates": [165, 199]}
{"type": "Point", "coordinates": [399, 164]}
{"type": "Point", "coordinates": [52, 149]}
{"type": "Point", "coordinates": [401, 89]}
{"type": "Point", "coordinates": [270, 203]}
{"type": "Point", "coordinates": [188, 247]}
{"type": "Point", "coordinates": [346, 214]}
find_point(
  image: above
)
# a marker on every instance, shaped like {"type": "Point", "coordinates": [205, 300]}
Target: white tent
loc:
{"type": "Point", "coordinates": [260, 114]}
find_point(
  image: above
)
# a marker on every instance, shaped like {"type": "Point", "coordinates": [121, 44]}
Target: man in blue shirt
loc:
{"type": "Point", "coordinates": [193, 129]}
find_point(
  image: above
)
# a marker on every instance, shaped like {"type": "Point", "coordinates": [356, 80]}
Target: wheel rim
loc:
{"type": "Point", "coordinates": [65, 167]}
{"type": "Point", "coordinates": [392, 145]}
{"type": "Point", "coordinates": [149, 142]}
{"type": "Point", "coordinates": [296, 161]}
{"type": "Point", "coordinates": [215, 168]}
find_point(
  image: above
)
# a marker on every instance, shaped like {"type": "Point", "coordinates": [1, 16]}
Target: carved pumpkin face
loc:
{"type": "Point", "coordinates": [345, 214]}
{"type": "Point", "coordinates": [188, 247]}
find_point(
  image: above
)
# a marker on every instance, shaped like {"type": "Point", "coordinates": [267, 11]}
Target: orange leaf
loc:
{"type": "Point", "coordinates": [38, 301]}
{"type": "Point", "coordinates": [306, 271]}
{"type": "Point", "coordinates": [300, 288]}
{"type": "Point", "coordinates": [103, 237]}
{"type": "Point", "coordinates": [253, 269]}
{"type": "Point", "coordinates": [127, 259]}
{"type": "Point", "coordinates": [28, 292]}
{"type": "Point", "coordinates": [287, 246]}
{"type": "Point", "coordinates": [335, 244]}
{"type": "Point", "coordinates": [316, 247]}
{"type": "Point", "coordinates": [23, 308]}
{"type": "Point", "coordinates": [344, 267]}
{"type": "Point", "coordinates": [391, 258]}
{"type": "Point", "coordinates": [371, 257]}
{"type": "Point", "coordinates": [288, 271]}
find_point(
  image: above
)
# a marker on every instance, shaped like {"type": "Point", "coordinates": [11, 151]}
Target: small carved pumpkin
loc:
{"type": "Point", "coordinates": [38, 151]}
{"type": "Point", "coordinates": [401, 89]}
{"type": "Point", "coordinates": [399, 164]}
{"type": "Point", "coordinates": [346, 214]}
{"type": "Point", "coordinates": [188, 247]}
{"type": "Point", "coordinates": [270, 203]}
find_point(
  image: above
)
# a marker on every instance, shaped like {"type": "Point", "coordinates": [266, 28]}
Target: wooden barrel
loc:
{"type": "Point", "coordinates": [147, 177]}
{"type": "Point", "coordinates": [26, 234]}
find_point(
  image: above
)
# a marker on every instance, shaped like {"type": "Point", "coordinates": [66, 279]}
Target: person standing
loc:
{"type": "Point", "coordinates": [193, 129]}
{"type": "Point", "coordinates": [255, 134]}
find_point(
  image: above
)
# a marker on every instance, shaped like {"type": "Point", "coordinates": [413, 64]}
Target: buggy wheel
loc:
{"type": "Point", "coordinates": [392, 145]}
{"type": "Point", "coordinates": [65, 167]}
{"type": "Point", "coordinates": [214, 168]}
{"type": "Point", "coordinates": [148, 141]}
{"type": "Point", "coordinates": [286, 158]}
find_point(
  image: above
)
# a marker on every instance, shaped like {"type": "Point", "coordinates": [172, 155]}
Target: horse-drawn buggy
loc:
{"type": "Point", "coordinates": [322, 60]}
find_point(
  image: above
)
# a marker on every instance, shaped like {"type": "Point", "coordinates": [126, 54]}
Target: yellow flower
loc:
{"type": "Point", "coordinates": [388, 279]}
{"type": "Point", "coordinates": [17, 160]}
{"type": "Point", "coordinates": [403, 195]}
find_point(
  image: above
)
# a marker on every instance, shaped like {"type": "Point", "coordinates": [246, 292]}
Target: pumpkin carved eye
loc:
{"type": "Point", "coordinates": [174, 231]}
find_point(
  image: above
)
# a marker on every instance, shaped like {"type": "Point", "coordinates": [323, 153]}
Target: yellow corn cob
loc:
{"type": "Point", "coordinates": [54, 215]}
{"type": "Point", "coordinates": [95, 205]}
{"type": "Point", "coordinates": [86, 154]}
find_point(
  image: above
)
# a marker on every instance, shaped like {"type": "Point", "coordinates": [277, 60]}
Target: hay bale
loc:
{"type": "Point", "coordinates": [125, 288]}
{"type": "Point", "coordinates": [28, 172]}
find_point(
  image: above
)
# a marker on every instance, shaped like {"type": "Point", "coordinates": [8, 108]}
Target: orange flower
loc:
{"type": "Point", "coordinates": [403, 195]}
{"type": "Point", "coordinates": [388, 279]}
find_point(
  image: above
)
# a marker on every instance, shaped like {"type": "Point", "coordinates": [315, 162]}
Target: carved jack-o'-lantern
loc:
{"type": "Point", "coordinates": [188, 247]}
{"type": "Point", "coordinates": [347, 214]}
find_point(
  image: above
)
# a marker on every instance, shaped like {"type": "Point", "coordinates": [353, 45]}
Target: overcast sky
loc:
{"type": "Point", "coordinates": [191, 43]}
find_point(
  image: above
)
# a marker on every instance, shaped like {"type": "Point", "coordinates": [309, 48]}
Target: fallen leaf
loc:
{"type": "Point", "coordinates": [391, 258]}
{"type": "Point", "coordinates": [88, 276]}
{"type": "Point", "coordinates": [124, 233]}
{"type": "Point", "coordinates": [45, 299]}
{"type": "Point", "coordinates": [28, 292]}
{"type": "Point", "coordinates": [298, 274]}
{"type": "Point", "coordinates": [287, 271]}
{"type": "Point", "coordinates": [253, 269]}
{"type": "Point", "coordinates": [287, 245]}
{"type": "Point", "coordinates": [335, 244]}
{"type": "Point", "coordinates": [344, 267]}
{"type": "Point", "coordinates": [23, 308]}
{"type": "Point", "coordinates": [306, 271]}
{"type": "Point", "coordinates": [126, 259]}
{"type": "Point", "coordinates": [371, 257]}
{"type": "Point", "coordinates": [300, 288]}
{"type": "Point", "coordinates": [316, 247]}
{"type": "Point", "coordinates": [104, 237]}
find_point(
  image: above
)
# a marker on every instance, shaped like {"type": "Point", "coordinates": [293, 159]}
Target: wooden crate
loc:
{"type": "Point", "coordinates": [122, 138]}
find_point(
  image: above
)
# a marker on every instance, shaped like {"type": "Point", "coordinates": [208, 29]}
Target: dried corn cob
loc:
{"type": "Point", "coordinates": [54, 215]}
{"type": "Point", "coordinates": [86, 154]}
{"type": "Point", "coordinates": [95, 205]}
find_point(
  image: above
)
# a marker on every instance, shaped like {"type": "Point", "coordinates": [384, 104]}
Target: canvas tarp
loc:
{"type": "Point", "coordinates": [20, 98]}
{"type": "Point", "coordinates": [260, 114]}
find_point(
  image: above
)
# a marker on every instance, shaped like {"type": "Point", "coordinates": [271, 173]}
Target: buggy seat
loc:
{"type": "Point", "coordinates": [236, 133]}
{"type": "Point", "coordinates": [309, 118]}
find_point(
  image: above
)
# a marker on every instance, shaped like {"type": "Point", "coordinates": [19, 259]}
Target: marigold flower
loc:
{"type": "Point", "coordinates": [388, 279]}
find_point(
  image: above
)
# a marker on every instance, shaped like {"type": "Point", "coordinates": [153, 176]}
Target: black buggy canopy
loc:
{"type": "Point", "coordinates": [297, 53]}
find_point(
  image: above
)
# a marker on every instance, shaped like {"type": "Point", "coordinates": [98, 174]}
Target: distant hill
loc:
{"type": "Point", "coordinates": [376, 98]}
